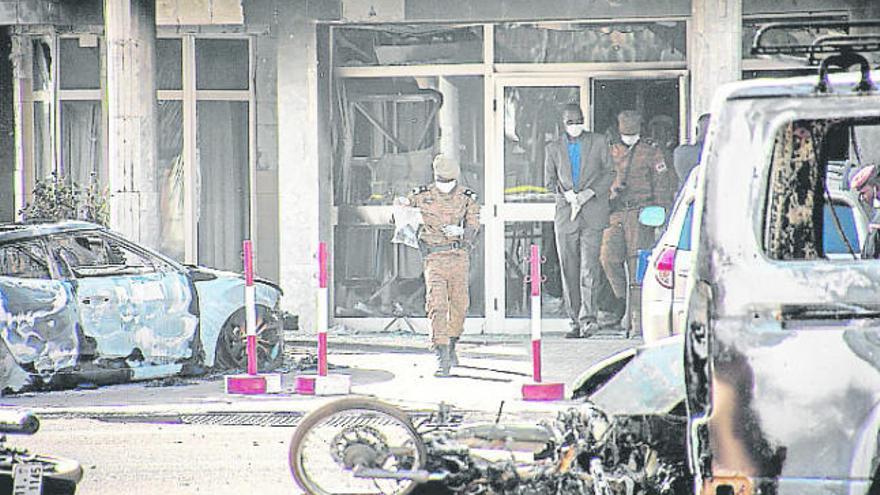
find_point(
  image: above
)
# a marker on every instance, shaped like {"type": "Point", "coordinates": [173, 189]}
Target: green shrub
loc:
{"type": "Point", "coordinates": [57, 199]}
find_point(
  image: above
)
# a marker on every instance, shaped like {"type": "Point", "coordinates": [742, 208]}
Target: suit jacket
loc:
{"type": "Point", "coordinates": [594, 181]}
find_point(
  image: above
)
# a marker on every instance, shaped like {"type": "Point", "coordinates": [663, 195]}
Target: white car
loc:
{"type": "Point", "coordinates": [665, 278]}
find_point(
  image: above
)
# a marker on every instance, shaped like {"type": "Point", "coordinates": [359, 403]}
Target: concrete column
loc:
{"type": "Point", "coordinates": [304, 185]}
{"type": "Point", "coordinates": [130, 32]}
{"type": "Point", "coordinates": [714, 49]}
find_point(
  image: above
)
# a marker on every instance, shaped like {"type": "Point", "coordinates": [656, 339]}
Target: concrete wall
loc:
{"type": "Point", "coordinates": [7, 130]}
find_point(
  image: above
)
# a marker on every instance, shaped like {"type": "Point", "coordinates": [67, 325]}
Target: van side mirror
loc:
{"type": "Point", "coordinates": [652, 216]}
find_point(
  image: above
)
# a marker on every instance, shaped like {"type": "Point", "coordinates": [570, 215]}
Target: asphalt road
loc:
{"type": "Point", "coordinates": [133, 454]}
{"type": "Point", "coordinates": [151, 459]}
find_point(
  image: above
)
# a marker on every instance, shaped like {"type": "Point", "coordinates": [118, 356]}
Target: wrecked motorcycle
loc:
{"type": "Point", "coordinates": [25, 473]}
{"type": "Point", "coordinates": [365, 446]}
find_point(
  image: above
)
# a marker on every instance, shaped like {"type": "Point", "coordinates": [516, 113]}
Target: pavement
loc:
{"type": "Point", "coordinates": [395, 367]}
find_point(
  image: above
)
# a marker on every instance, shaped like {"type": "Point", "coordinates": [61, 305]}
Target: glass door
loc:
{"type": "Point", "coordinates": [528, 117]}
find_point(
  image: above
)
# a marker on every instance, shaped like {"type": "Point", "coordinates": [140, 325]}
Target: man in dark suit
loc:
{"type": "Point", "coordinates": [578, 168]}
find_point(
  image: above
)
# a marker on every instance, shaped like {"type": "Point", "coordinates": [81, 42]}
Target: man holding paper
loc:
{"type": "Point", "coordinates": [578, 168]}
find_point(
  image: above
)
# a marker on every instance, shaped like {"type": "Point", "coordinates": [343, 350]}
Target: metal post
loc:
{"type": "Point", "coordinates": [535, 275]}
{"type": "Point", "coordinates": [250, 308]}
{"type": "Point", "coordinates": [322, 309]}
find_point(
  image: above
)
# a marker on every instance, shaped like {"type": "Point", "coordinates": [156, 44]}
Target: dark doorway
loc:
{"type": "Point", "coordinates": [7, 130]}
{"type": "Point", "coordinates": [656, 99]}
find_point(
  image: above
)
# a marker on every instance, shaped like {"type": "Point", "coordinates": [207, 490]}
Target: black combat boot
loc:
{"type": "Point", "coordinates": [442, 352]}
{"type": "Point", "coordinates": [453, 357]}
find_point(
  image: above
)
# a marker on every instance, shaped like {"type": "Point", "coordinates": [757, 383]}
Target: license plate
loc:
{"type": "Point", "coordinates": [27, 479]}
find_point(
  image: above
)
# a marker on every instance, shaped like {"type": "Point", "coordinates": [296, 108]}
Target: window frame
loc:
{"type": "Point", "coordinates": [48, 258]}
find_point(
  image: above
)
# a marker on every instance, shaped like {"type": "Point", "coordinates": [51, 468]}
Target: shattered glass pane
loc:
{"type": "Point", "coordinates": [169, 65]}
{"type": "Point", "coordinates": [80, 65]}
{"type": "Point", "coordinates": [377, 278]}
{"type": "Point", "coordinates": [170, 170]}
{"type": "Point", "coordinates": [93, 254]}
{"type": "Point", "coordinates": [222, 64]}
{"type": "Point", "coordinates": [550, 42]}
{"type": "Point", "coordinates": [407, 45]}
{"type": "Point", "coordinates": [82, 140]}
{"type": "Point", "coordinates": [518, 239]}
{"type": "Point", "coordinates": [390, 131]}
{"type": "Point", "coordinates": [42, 65]}
{"type": "Point", "coordinates": [24, 260]}
{"type": "Point", "coordinates": [531, 120]}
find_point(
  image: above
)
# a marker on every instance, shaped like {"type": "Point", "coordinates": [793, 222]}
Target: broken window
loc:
{"type": "Point", "coordinates": [25, 259]}
{"type": "Point", "coordinates": [391, 128]}
{"type": "Point", "coordinates": [93, 254]}
{"type": "Point", "coordinates": [407, 45]}
{"type": "Point", "coordinates": [557, 42]}
{"type": "Point", "coordinates": [375, 278]}
{"type": "Point", "coordinates": [531, 120]}
{"type": "Point", "coordinates": [813, 212]}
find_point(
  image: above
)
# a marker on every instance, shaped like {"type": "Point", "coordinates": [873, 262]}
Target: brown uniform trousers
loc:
{"type": "Point", "coordinates": [649, 181]}
{"type": "Point", "coordinates": [446, 258]}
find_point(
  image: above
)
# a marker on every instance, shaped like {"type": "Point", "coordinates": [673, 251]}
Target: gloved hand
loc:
{"type": "Point", "coordinates": [570, 196]}
{"type": "Point", "coordinates": [452, 230]}
{"type": "Point", "coordinates": [584, 196]}
{"type": "Point", "coordinates": [401, 201]}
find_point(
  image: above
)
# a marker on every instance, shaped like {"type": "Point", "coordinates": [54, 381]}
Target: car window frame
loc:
{"type": "Point", "coordinates": [54, 273]}
{"type": "Point", "coordinates": [157, 264]}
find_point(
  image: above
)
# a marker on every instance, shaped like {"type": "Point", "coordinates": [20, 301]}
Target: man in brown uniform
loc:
{"type": "Point", "coordinates": [450, 215]}
{"type": "Point", "coordinates": [642, 179]}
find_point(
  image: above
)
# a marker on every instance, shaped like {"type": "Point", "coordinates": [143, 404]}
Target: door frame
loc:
{"type": "Point", "coordinates": [499, 213]}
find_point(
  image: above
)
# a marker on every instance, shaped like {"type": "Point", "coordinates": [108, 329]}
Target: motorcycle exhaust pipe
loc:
{"type": "Point", "coordinates": [419, 476]}
{"type": "Point", "coordinates": [18, 422]}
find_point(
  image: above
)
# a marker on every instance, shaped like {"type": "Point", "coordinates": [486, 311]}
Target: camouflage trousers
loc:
{"type": "Point", "coordinates": [446, 298]}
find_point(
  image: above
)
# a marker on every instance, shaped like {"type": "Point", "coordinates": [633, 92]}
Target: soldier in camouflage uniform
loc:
{"type": "Point", "coordinates": [642, 179]}
{"type": "Point", "coordinates": [450, 213]}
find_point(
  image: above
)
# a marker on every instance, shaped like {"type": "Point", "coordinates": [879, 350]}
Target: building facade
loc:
{"type": "Point", "coordinates": [297, 122]}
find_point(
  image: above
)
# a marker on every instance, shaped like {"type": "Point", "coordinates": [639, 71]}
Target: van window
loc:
{"type": "Point", "coordinates": [684, 240]}
{"type": "Point", "coordinates": [812, 161]}
{"type": "Point", "coordinates": [832, 241]}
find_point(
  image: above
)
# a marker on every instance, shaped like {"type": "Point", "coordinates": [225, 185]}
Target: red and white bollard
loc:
{"type": "Point", "coordinates": [252, 382]}
{"type": "Point", "coordinates": [323, 383]}
{"type": "Point", "coordinates": [538, 390]}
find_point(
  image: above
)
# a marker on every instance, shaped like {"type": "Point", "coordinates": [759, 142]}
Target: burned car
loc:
{"type": "Point", "coordinates": [78, 303]}
{"type": "Point", "coordinates": [627, 438]}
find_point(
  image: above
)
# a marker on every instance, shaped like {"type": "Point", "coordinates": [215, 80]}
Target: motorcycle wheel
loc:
{"type": "Point", "coordinates": [334, 439]}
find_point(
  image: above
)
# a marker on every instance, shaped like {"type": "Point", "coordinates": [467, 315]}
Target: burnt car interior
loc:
{"type": "Point", "coordinates": [89, 254]}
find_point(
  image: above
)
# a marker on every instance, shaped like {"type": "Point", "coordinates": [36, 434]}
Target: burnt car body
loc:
{"type": "Point", "coordinates": [782, 341]}
{"type": "Point", "coordinates": [78, 303]}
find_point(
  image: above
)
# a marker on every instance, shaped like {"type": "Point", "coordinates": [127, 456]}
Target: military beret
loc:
{"type": "Point", "coordinates": [629, 122]}
{"type": "Point", "coordinates": [445, 168]}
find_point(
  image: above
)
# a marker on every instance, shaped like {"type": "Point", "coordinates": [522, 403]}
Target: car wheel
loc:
{"type": "Point", "coordinates": [231, 350]}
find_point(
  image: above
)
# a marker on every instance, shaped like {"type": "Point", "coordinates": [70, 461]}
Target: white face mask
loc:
{"type": "Point", "coordinates": [445, 187]}
{"type": "Point", "coordinates": [629, 139]}
{"type": "Point", "coordinates": [574, 130]}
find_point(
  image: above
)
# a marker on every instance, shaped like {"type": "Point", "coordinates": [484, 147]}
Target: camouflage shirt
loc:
{"type": "Point", "coordinates": [458, 207]}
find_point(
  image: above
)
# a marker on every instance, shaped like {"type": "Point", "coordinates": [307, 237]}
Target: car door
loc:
{"type": "Point", "coordinates": [37, 309]}
{"type": "Point", "coordinates": [128, 299]}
